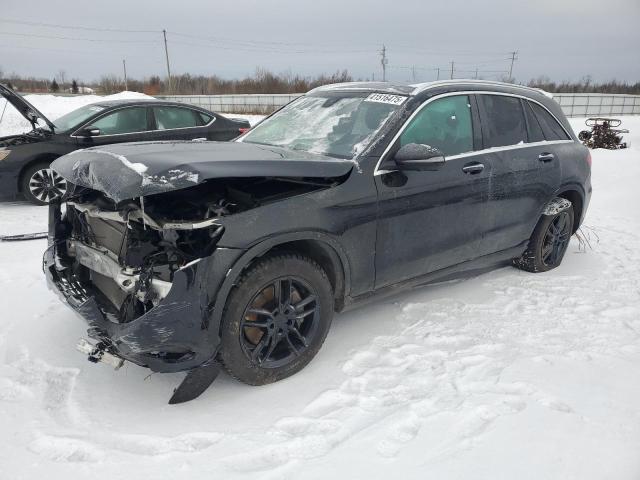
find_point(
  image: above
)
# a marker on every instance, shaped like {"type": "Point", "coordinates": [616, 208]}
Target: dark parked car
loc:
{"type": "Point", "coordinates": [25, 159]}
{"type": "Point", "coordinates": [200, 254]}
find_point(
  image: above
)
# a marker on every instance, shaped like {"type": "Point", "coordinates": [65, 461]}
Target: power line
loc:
{"type": "Point", "coordinates": [262, 50]}
{"type": "Point", "coordinates": [55, 37]}
{"type": "Point", "coordinates": [76, 27]}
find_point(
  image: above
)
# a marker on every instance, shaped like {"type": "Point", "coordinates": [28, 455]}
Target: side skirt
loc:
{"type": "Point", "coordinates": [466, 269]}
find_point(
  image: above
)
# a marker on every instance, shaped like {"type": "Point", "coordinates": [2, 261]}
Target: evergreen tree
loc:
{"type": "Point", "coordinates": [54, 86]}
{"type": "Point", "coordinates": [74, 87]}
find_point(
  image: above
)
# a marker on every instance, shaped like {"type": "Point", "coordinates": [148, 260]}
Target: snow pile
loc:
{"type": "Point", "coordinates": [509, 375]}
{"type": "Point", "coordinates": [52, 107]}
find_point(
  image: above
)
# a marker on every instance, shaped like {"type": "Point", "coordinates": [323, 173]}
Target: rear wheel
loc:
{"type": "Point", "coordinates": [40, 184]}
{"type": "Point", "coordinates": [550, 239]}
{"type": "Point", "coordinates": [276, 319]}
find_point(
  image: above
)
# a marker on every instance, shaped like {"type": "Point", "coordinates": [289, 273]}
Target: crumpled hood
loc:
{"type": "Point", "coordinates": [132, 170]}
{"type": "Point", "coordinates": [27, 110]}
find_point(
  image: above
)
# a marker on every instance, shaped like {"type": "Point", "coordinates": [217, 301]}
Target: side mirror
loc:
{"type": "Point", "coordinates": [89, 132]}
{"type": "Point", "coordinates": [417, 156]}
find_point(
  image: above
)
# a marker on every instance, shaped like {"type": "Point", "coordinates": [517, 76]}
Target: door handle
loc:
{"type": "Point", "coordinates": [473, 168]}
{"type": "Point", "coordinates": [546, 157]}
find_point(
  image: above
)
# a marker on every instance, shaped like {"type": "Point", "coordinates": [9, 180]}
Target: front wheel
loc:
{"type": "Point", "coordinates": [550, 239]}
{"type": "Point", "coordinates": [276, 319]}
{"type": "Point", "coordinates": [40, 184]}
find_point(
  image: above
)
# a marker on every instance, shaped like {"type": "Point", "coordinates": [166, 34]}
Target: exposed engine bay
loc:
{"type": "Point", "coordinates": [128, 252]}
{"type": "Point", "coordinates": [22, 139]}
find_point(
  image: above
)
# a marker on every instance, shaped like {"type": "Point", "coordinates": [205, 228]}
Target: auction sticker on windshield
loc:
{"type": "Point", "coordinates": [386, 98]}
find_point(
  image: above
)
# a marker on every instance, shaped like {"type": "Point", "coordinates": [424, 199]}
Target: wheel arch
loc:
{"type": "Point", "coordinates": [320, 247]}
{"type": "Point", "coordinates": [575, 195]}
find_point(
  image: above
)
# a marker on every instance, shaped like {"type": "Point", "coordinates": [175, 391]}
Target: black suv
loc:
{"type": "Point", "coordinates": [184, 256]}
{"type": "Point", "coordinates": [25, 159]}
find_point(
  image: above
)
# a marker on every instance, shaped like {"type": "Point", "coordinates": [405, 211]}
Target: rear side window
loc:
{"type": "Point", "coordinates": [444, 124]}
{"type": "Point", "coordinates": [176, 117]}
{"type": "Point", "coordinates": [504, 124]}
{"type": "Point", "coordinates": [550, 126]}
{"type": "Point", "coordinates": [535, 131]}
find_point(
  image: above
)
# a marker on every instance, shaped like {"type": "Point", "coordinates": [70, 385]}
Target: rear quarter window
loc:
{"type": "Point", "coordinates": [504, 122]}
{"type": "Point", "coordinates": [551, 129]}
{"type": "Point", "coordinates": [535, 130]}
{"type": "Point", "coordinates": [205, 118]}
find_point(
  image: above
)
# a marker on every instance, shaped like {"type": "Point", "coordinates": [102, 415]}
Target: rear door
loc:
{"type": "Point", "coordinates": [525, 169]}
{"type": "Point", "coordinates": [180, 123]}
{"type": "Point", "coordinates": [429, 220]}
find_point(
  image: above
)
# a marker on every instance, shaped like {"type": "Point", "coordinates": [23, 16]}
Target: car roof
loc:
{"type": "Point", "coordinates": [141, 101]}
{"type": "Point", "coordinates": [418, 88]}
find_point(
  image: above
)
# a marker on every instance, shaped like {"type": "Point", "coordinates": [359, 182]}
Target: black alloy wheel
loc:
{"type": "Point", "coordinates": [280, 322]}
{"type": "Point", "coordinates": [550, 239]}
{"type": "Point", "coordinates": [556, 239]}
{"type": "Point", "coordinates": [276, 318]}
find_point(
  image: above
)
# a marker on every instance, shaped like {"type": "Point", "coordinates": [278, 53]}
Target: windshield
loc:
{"type": "Point", "coordinates": [339, 126]}
{"type": "Point", "coordinates": [76, 117]}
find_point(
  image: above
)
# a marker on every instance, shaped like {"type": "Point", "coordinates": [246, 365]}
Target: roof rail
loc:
{"type": "Point", "coordinates": [420, 87]}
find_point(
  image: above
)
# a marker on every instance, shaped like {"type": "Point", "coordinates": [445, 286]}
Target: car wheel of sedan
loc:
{"type": "Point", "coordinates": [276, 319]}
{"type": "Point", "coordinates": [41, 184]}
{"type": "Point", "coordinates": [550, 238]}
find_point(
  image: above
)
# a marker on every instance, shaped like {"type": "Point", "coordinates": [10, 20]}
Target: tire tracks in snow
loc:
{"type": "Point", "coordinates": [447, 362]}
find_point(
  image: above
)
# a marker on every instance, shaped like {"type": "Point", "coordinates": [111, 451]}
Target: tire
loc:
{"type": "Point", "coordinates": [278, 340]}
{"type": "Point", "coordinates": [550, 238]}
{"type": "Point", "coordinates": [40, 184]}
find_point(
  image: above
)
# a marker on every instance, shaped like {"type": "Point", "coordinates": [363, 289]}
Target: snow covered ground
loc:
{"type": "Point", "coordinates": [508, 375]}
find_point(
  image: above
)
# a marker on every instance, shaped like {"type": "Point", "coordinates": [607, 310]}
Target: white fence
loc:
{"type": "Point", "coordinates": [573, 104]}
{"type": "Point", "coordinates": [597, 104]}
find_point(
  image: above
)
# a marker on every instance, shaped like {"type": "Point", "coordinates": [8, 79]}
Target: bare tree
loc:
{"type": "Point", "coordinates": [62, 77]}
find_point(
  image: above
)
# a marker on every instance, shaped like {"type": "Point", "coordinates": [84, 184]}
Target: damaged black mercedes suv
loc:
{"type": "Point", "coordinates": [187, 256]}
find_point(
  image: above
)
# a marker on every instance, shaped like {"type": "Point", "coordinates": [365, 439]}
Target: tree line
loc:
{"type": "Point", "coordinates": [262, 81]}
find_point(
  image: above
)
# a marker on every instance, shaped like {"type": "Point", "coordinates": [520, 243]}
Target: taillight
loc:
{"type": "Point", "coordinates": [589, 158]}
{"type": "Point", "coordinates": [243, 130]}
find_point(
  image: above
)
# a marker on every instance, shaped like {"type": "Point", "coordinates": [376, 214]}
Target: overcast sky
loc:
{"type": "Point", "coordinates": [561, 39]}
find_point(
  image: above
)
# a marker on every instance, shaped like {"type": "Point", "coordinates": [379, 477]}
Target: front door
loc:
{"type": "Point", "coordinates": [429, 220]}
{"type": "Point", "coordinates": [129, 124]}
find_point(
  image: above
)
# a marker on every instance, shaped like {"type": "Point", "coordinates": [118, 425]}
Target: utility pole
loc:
{"type": "Point", "coordinates": [124, 67]}
{"type": "Point", "coordinates": [452, 70]}
{"type": "Point", "coordinates": [513, 59]}
{"type": "Point", "coordinates": [384, 61]}
{"type": "Point", "coordinates": [166, 53]}
{"type": "Point", "coordinates": [438, 73]}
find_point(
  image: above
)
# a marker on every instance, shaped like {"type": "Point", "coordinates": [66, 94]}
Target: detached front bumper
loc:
{"type": "Point", "coordinates": [173, 336]}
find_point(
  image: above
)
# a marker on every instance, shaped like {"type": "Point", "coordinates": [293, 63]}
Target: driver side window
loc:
{"type": "Point", "coordinates": [127, 120]}
{"type": "Point", "coordinates": [444, 124]}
